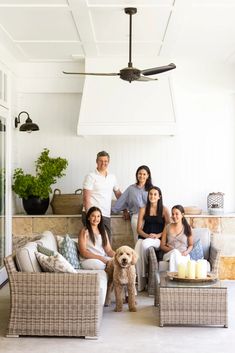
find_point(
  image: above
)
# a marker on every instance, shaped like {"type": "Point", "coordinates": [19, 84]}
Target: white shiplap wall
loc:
{"type": "Point", "coordinates": [199, 159]}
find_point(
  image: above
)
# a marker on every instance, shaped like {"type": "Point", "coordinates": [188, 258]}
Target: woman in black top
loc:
{"type": "Point", "coordinates": [151, 222]}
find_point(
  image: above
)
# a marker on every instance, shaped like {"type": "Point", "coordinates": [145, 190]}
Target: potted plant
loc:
{"type": "Point", "coordinates": [35, 189]}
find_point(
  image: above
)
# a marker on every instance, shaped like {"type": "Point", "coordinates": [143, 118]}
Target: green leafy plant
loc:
{"type": "Point", "coordinates": [48, 170]}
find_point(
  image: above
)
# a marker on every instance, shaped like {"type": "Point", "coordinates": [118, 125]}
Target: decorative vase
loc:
{"type": "Point", "coordinates": [35, 206]}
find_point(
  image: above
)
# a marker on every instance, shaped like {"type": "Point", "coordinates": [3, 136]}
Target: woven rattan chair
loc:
{"type": "Point", "coordinates": [53, 304]}
{"type": "Point", "coordinates": [211, 254]}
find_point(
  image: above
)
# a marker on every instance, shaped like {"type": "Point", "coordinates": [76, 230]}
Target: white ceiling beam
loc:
{"type": "Point", "coordinates": [82, 19]}
{"type": "Point", "coordinates": [175, 24]}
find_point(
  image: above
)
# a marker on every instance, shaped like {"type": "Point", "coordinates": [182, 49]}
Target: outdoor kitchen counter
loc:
{"type": "Point", "coordinates": [222, 228]}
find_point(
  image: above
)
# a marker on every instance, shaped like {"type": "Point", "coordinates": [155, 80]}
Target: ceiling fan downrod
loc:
{"type": "Point", "coordinates": [130, 11]}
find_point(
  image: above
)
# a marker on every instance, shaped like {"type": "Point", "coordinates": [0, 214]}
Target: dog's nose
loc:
{"type": "Point", "coordinates": [124, 261]}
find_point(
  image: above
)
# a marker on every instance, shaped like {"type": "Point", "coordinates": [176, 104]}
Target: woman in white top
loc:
{"type": "Point", "coordinates": [177, 239]}
{"type": "Point", "coordinates": [94, 247]}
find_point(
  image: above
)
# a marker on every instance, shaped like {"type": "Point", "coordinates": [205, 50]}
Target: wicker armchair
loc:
{"type": "Point", "coordinates": [211, 254]}
{"type": "Point", "coordinates": [53, 304]}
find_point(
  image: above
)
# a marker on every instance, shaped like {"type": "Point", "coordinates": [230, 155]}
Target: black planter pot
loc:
{"type": "Point", "coordinates": [34, 205]}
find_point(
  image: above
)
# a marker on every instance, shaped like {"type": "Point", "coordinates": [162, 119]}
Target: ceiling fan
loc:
{"type": "Point", "coordinates": [131, 73]}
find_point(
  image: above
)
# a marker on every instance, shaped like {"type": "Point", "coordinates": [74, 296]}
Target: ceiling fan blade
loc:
{"type": "Point", "coordinates": [158, 70]}
{"type": "Point", "coordinates": [145, 79]}
{"type": "Point", "coordinates": [91, 73]}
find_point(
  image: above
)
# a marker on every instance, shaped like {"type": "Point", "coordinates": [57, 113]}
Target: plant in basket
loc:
{"type": "Point", "coordinates": [35, 189]}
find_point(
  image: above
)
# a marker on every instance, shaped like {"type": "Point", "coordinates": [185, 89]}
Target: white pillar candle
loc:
{"type": "Point", "coordinates": [181, 270]}
{"type": "Point", "coordinates": [199, 270]}
{"type": "Point", "coordinates": [203, 268]}
{"type": "Point", "coordinates": [186, 270]}
{"type": "Point", "coordinates": [191, 269]}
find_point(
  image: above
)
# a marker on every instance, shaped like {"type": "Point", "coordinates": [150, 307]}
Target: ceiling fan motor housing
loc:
{"type": "Point", "coordinates": [130, 74]}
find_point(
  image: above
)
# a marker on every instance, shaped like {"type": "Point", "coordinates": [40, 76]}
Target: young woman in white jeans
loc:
{"type": "Point", "coordinates": [94, 246]}
{"type": "Point", "coordinates": [134, 197]}
{"type": "Point", "coordinates": [151, 223]}
{"type": "Point", "coordinates": [177, 239]}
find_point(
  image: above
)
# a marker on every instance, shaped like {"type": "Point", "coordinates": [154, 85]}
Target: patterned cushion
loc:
{"type": "Point", "coordinates": [59, 239]}
{"type": "Point", "coordinates": [68, 248]}
{"type": "Point", "coordinates": [55, 263]}
{"type": "Point", "coordinates": [45, 251]}
{"type": "Point", "coordinates": [197, 251]}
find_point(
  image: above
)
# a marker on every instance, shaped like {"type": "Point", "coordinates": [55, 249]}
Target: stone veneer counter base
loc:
{"type": "Point", "coordinates": [222, 228]}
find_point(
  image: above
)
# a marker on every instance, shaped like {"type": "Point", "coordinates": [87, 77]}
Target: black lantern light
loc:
{"type": "Point", "coordinates": [28, 126]}
{"type": "Point", "coordinates": [2, 126]}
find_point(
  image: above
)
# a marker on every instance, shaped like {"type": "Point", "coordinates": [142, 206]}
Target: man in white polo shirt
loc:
{"type": "Point", "coordinates": [98, 188]}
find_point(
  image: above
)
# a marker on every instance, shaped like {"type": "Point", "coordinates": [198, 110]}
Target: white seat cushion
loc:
{"type": "Point", "coordinates": [48, 240]}
{"type": "Point", "coordinates": [26, 259]}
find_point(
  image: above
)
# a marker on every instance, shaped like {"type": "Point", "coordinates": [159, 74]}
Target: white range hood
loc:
{"type": "Point", "coordinates": [111, 106]}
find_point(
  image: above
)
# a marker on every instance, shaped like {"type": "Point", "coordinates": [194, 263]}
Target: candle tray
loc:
{"type": "Point", "coordinates": [174, 276]}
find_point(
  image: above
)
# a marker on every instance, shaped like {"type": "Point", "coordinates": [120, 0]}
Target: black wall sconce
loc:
{"type": "Point", "coordinates": [28, 126]}
{"type": "Point", "coordinates": [2, 126]}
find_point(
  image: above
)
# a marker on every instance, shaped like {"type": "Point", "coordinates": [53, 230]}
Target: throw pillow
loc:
{"type": "Point", "coordinates": [59, 240]}
{"type": "Point", "coordinates": [45, 251]}
{"type": "Point", "coordinates": [55, 263]}
{"type": "Point", "coordinates": [197, 251]}
{"type": "Point", "coordinates": [68, 248]}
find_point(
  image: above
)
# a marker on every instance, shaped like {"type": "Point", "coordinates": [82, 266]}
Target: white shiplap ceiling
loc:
{"type": "Point", "coordinates": [68, 30]}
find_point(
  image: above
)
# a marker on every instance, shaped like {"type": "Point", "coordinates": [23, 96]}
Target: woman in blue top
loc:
{"type": "Point", "coordinates": [134, 197]}
{"type": "Point", "coordinates": [151, 223]}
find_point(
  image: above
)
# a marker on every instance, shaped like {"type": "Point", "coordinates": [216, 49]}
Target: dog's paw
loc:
{"type": "Point", "coordinates": [118, 310]}
{"type": "Point", "coordinates": [133, 309]}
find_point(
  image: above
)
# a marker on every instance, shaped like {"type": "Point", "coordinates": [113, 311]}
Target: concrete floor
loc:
{"type": "Point", "coordinates": [129, 332]}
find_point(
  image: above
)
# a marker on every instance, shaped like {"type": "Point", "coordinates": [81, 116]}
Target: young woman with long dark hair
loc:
{"type": "Point", "coordinates": [151, 223]}
{"type": "Point", "coordinates": [94, 247]}
{"type": "Point", "coordinates": [177, 239]}
{"type": "Point", "coordinates": [134, 197]}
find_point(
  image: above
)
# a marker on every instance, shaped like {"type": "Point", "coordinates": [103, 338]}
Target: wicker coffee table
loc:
{"type": "Point", "coordinates": [194, 304]}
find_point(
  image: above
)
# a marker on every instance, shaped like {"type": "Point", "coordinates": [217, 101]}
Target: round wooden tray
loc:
{"type": "Point", "coordinates": [174, 276]}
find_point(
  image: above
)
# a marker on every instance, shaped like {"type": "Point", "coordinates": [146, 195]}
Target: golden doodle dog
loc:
{"type": "Point", "coordinates": [121, 272]}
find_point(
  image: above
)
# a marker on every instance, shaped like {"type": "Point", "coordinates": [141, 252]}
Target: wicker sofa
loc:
{"type": "Point", "coordinates": [211, 254]}
{"type": "Point", "coordinates": [53, 304]}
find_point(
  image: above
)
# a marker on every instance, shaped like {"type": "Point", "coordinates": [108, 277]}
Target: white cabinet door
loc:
{"type": "Point", "coordinates": [2, 196]}
{"type": "Point", "coordinates": [5, 231]}
{"type": "Point", "coordinates": [3, 88]}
